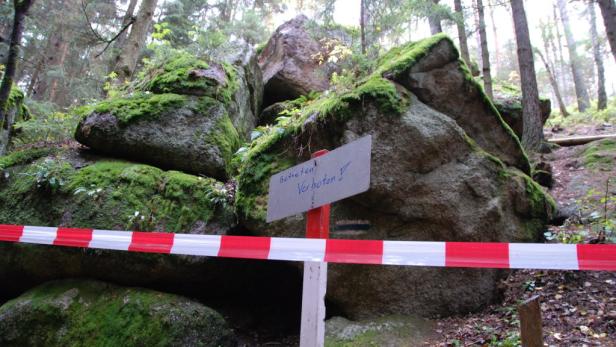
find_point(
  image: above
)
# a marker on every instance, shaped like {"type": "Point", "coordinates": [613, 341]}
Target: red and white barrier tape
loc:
{"type": "Point", "coordinates": [410, 253]}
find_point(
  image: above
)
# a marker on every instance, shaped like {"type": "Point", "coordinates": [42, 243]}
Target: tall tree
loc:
{"type": "Point", "coordinates": [485, 54]}
{"type": "Point", "coordinates": [495, 34]}
{"type": "Point", "coordinates": [128, 55]}
{"type": "Point", "coordinates": [554, 84]}
{"type": "Point", "coordinates": [21, 8]}
{"type": "Point", "coordinates": [462, 32]}
{"type": "Point", "coordinates": [581, 92]}
{"type": "Point", "coordinates": [362, 25]}
{"type": "Point", "coordinates": [561, 57]}
{"type": "Point", "coordinates": [596, 50]}
{"type": "Point", "coordinates": [532, 129]}
{"type": "Point", "coordinates": [120, 40]}
{"type": "Point", "coordinates": [547, 36]}
{"type": "Point", "coordinates": [608, 12]}
{"type": "Point", "coordinates": [434, 19]}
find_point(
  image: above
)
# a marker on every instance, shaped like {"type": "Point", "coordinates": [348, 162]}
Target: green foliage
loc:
{"type": "Point", "coordinates": [48, 176]}
{"type": "Point", "coordinates": [227, 139]}
{"type": "Point", "coordinates": [54, 127]}
{"type": "Point", "coordinates": [591, 116]}
{"type": "Point", "coordinates": [138, 106]}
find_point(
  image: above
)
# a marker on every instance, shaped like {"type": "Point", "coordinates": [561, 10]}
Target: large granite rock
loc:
{"type": "Point", "coordinates": [433, 70]}
{"type": "Point", "coordinates": [430, 181]}
{"type": "Point", "coordinates": [187, 114]}
{"type": "Point", "coordinates": [83, 190]}
{"type": "Point", "coordinates": [290, 65]}
{"type": "Point", "coordinates": [87, 313]}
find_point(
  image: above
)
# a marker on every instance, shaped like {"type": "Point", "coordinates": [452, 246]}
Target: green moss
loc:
{"type": "Point", "coordinates": [138, 106]}
{"type": "Point", "coordinates": [89, 313]}
{"type": "Point", "coordinates": [107, 194]}
{"type": "Point", "coordinates": [400, 59]}
{"type": "Point", "coordinates": [600, 155]}
{"type": "Point", "coordinates": [23, 157]}
{"type": "Point", "coordinates": [16, 100]}
{"type": "Point", "coordinates": [175, 76]}
{"type": "Point", "coordinates": [226, 138]}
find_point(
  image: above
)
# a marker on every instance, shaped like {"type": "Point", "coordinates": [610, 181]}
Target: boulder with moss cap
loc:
{"type": "Point", "coordinates": [87, 313]}
{"type": "Point", "coordinates": [186, 114]}
{"type": "Point", "coordinates": [431, 180]}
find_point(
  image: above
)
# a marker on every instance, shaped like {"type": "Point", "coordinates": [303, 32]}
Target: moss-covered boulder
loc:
{"type": "Point", "coordinates": [171, 131]}
{"type": "Point", "coordinates": [432, 70]}
{"type": "Point", "coordinates": [91, 313]}
{"type": "Point", "coordinates": [74, 188]}
{"type": "Point", "coordinates": [188, 114]}
{"type": "Point", "coordinates": [508, 101]}
{"type": "Point", "coordinates": [69, 188]}
{"type": "Point", "coordinates": [430, 181]}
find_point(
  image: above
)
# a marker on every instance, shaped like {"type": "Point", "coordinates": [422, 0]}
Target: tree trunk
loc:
{"type": "Point", "coordinates": [495, 34]}
{"type": "Point", "coordinates": [558, 48]}
{"type": "Point", "coordinates": [594, 37]}
{"type": "Point", "coordinates": [608, 12]}
{"type": "Point", "coordinates": [435, 21]}
{"type": "Point", "coordinates": [127, 58]}
{"type": "Point", "coordinates": [581, 92]}
{"type": "Point", "coordinates": [362, 25]}
{"type": "Point", "coordinates": [7, 117]}
{"type": "Point", "coordinates": [462, 32]}
{"type": "Point", "coordinates": [52, 57]}
{"type": "Point", "coordinates": [554, 84]}
{"type": "Point", "coordinates": [121, 39]}
{"type": "Point", "coordinates": [532, 129]}
{"type": "Point", "coordinates": [485, 54]}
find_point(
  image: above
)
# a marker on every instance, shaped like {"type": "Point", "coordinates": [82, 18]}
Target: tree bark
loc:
{"type": "Point", "coordinates": [608, 12]}
{"type": "Point", "coordinates": [435, 21]}
{"type": "Point", "coordinates": [362, 25]}
{"type": "Point", "coordinates": [485, 54]}
{"type": "Point", "coordinates": [462, 32]}
{"type": "Point", "coordinates": [121, 39]}
{"type": "Point", "coordinates": [495, 33]}
{"type": "Point", "coordinates": [581, 92]}
{"type": "Point", "coordinates": [554, 84]}
{"type": "Point", "coordinates": [6, 116]}
{"type": "Point", "coordinates": [580, 140]}
{"type": "Point", "coordinates": [128, 57]}
{"type": "Point", "coordinates": [532, 129]}
{"type": "Point", "coordinates": [596, 49]}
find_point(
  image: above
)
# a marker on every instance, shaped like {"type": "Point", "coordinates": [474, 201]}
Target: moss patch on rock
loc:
{"type": "Point", "coordinates": [136, 107]}
{"type": "Point", "coordinates": [90, 313]}
{"type": "Point", "coordinates": [112, 195]}
{"type": "Point", "coordinates": [16, 100]}
{"type": "Point", "coordinates": [23, 157]}
{"type": "Point", "coordinates": [600, 155]}
{"type": "Point", "coordinates": [184, 73]}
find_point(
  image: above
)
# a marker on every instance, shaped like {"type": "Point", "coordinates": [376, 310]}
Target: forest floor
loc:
{"type": "Point", "coordinates": [578, 308]}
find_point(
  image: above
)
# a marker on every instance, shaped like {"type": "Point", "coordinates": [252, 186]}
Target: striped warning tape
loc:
{"type": "Point", "coordinates": [410, 253]}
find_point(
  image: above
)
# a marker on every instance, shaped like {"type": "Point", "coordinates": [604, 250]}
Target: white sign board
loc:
{"type": "Point", "coordinates": [336, 175]}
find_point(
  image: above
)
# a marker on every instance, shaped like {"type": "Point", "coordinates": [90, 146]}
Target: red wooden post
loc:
{"type": "Point", "coordinates": [312, 332]}
{"type": "Point", "coordinates": [317, 219]}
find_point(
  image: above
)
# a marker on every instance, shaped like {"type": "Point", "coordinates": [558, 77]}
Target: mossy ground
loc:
{"type": "Point", "coordinates": [600, 155]}
{"type": "Point", "coordinates": [23, 157]}
{"type": "Point", "coordinates": [88, 313]}
{"type": "Point", "coordinates": [111, 195]}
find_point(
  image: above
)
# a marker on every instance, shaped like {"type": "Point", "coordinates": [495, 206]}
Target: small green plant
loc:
{"type": "Point", "coordinates": [49, 176]}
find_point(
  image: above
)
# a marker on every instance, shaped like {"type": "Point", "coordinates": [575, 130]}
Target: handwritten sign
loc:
{"type": "Point", "coordinates": [339, 174]}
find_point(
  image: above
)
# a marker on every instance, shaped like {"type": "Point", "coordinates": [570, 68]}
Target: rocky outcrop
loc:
{"type": "Point", "coordinates": [433, 71]}
{"type": "Point", "coordinates": [430, 180]}
{"type": "Point", "coordinates": [290, 64]}
{"type": "Point", "coordinates": [77, 312]}
{"type": "Point", "coordinates": [192, 134]}
{"type": "Point", "coordinates": [508, 102]}
{"type": "Point", "coordinates": [187, 114]}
